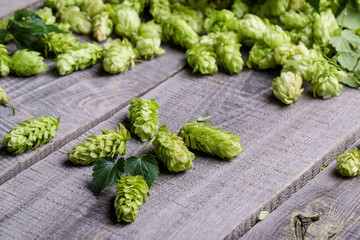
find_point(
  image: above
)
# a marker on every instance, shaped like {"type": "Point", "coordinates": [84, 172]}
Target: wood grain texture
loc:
{"type": "Point", "coordinates": [326, 208]}
{"type": "Point", "coordinates": [7, 8]}
{"type": "Point", "coordinates": [82, 99]}
{"type": "Point", "coordinates": [284, 149]}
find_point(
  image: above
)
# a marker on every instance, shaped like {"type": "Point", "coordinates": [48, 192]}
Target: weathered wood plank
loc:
{"type": "Point", "coordinates": [7, 8]}
{"type": "Point", "coordinates": [328, 207]}
{"type": "Point", "coordinates": [284, 148]}
{"type": "Point", "coordinates": [82, 99]}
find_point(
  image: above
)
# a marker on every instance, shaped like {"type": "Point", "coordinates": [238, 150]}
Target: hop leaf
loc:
{"type": "Point", "coordinates": [172, 151]}
{"type": "Point", "coordinates": [131, 193]}
{"type": "Point", "coordinates": [108, 144]}
{"type": "Point", "coordinates": [349, 163]}
{"type": "Point", "coordinates": [78, 57]}
{"type": "Point", "coordinates": [212, 140]}
{"type": "Point", "coordinates": [27, 63]}
{"type": "Point", "coordinates": [143, 115]}
{"type": "Point", "coordinates": [147, 167]}
{"type": "Point", "coordinates": [119, 56]}
{"type": "Point", "coordinates": [106, 173]}
{"type": "Point", "coordinates": [30, 134]}
{"type": "Point", "coordinates": [5, 61]}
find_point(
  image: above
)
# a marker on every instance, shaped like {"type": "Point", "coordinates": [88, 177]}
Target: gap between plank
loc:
{"type": "Point", "coordinates": [56, 145]}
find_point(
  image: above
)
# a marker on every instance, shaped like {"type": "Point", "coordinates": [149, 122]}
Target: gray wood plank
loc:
{"type": "Point", "coordinates": [7, 8]}
{"type": "Point", "coordinates": [284, 149]}
{"type": "Point", "coordinates": [328, 207]}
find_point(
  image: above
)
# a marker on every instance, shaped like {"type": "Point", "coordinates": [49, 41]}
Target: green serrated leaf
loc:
{"type": "Point", "coordinates": [314, 3]}
{"type": "Point", "coordinates": [350, 82]}
{"type": "Point", "coordinates": [3, 34]}
{"type": "Point", "coordinates": [351, 19]}
{"type": "Point", "coordinates": [106, 173]}
{"type": "Point", "coordinates": [346, 60]}
{"type": "Point", "coordinates": [347, 42]}
{"type": "Point", "coordinates": [146, 167]}
{"type": "Point", "coordinates": [203, 119]}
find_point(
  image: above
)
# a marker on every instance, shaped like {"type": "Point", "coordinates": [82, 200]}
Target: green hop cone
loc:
{"type": "Point", "coordinates": [221, 21]}
{"type": "Point", "coordinates": [252, 27]}
{"type": "Point", "coordinates": [172, 151]}
{"type": "Point", "coordinates": [325, 27]}
{"type": "Point", "coordinates": [148, 40]}
{"type": "Point", "coordinates": [261, 57]}
{"type": "Point", "coordinates": [287, 51]}
{"type": "Point", "coordinates": [102, 26]}
{"type": "Point", "coordinates": [119, 56]}
{"type": "Point", "coordinates": [30, 134]}
{"type": "Point", "coordinates": [131, 193]}
{"type": "Point", "coordinates": [5, 61]}
{"type": "Point", "coordinates": [143, 115]}
{"type": "Point", "coordinates": [160, 10]}
{"type": "Point", "coordinates": [126, 20]}
{"type": "Point", "coordinates": [79, 21]}
{"type": "Point", "coordinates": [212, 140]}
{"type": "Point", "coordinates": [296, 5]}
{"type": "Point", "coordinates": [57, 4]}
{"type": "Point", "coordinates": [326, 83]}
{"type": "Point", "coordinates": [240, 8]}
{"type": "Point", "coordinates": [46, 15]}
{"type": "Point", "coordinates": [304, 35]}
{"type": "Point", "coordinates": [4, 99]}
{"type": "Point", "coordinates": [59, 42]}
{"type": "Point", "coordinates": [78, 57]}
{"type": "Point", "coordinates": [108, 144]}
{"type": "Point", "coordinates": [287, 87]}
{"type": "Point", "coordinates": [295, 20]}
{"type": "Point", "coordinates": [228, 50]}
{"type": "Point", "coordinates": [192, 17]}
{"type": "Point", "coordinates": [26, 63]}
{"type": "Point", "coordinates": [138, 5]}
{"type": "Point", "coordinates": [349, 163]}
{"type": "Point", "coordinates": [179, 32]}
{"type": "Point", "coordinates": [93, 7]}
{"type": "Point", "coordinates": [202, 58]}
{"type": "Point", "coordinates": [275, 8]}
{"type": "Point", "coordinates": [63, 26]}
{"type": "Point", "coordinates": [275, 36]}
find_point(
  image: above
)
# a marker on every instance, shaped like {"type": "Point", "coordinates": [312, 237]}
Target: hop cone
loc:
{"type": "Point", "coordinates": [63, 26]}
{"type": "Point", "coordinates": [102, 26]}
{"type": "Point", "coordinates": [30, 134]}
{"type": "Point", "coordinates": [46, 15]}
{"type": "Point", "coordinates": [252, 27]}
{"type": "Point", "coordinates": [119, 56]}
{"type": "Point", "coordinates": [143, 115]}
{"type": "Point", "coordinates": [179, 32]}
{"type": "Point", "coordinates": [108, 144]}
{"type": "Point", "coordinates": [213, 140]}
{"type": "Point", "coordinates": [126, 20]}
{"type": "Point", "coordinates": [325, 26]}
{"type": "Point", "coordinates": [261, 57]}
{"type": "Point", "coordinates": [131, 193]}
{"type": "Point", "coordinates": [57, 4]}
{"type": "Point", "coordinates": [228, 50]}
{"type": "Point", "coordinates": [148, 40]}
{"type": "Point", "coordinates": [287, 87]}
{"type": "Point", "coordinates": [93, 7]}
{"type": "Point", "coordinates": [202, 58]}
{"type": "Point", "coordinates": [221, 21]}
{"type": "Point", "coordinates": [26, 63]}
{"type": "Point", "coordinates": [78, 57]}
{"type": "Point", "coordinates": [240, 8]}
{"type": "Point", "coordinates": [59, 42]}
{"type": "Point", "coordinates": [349, 163]}
{"type": "Point", "coordinates": [79, 21]}
{"type": "Point", "coordinates": [5, 61]}
{"type": "Point", "coordinates": [275, 36]}
{"type": "Point", "coordinates": [4, 99]}
{"type": "Point", "coordinates": [160, 10]}
{"type": "Point", "coordinates": [192, 17]}
{"type": "Point", "coordinates": [172, 151]}
{"type": "Point", "coordinates": [295, 20]}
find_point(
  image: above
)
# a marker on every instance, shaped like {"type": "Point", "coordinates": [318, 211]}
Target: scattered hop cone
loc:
{"type": "Point", "coordinates": [325, 26]}
{"type": "Point", "coordinates": [143, 115]}
{"type": "Point", "coordinates": [131, 193]}
{"type": "Point", "coordinates": [192, 17]}
{"type": "Point", "coordinates": [261, 57]}
{"type": "Point", "coordinates": [228, 50]}
{"type": "Point", "coordinates": [102, 26]}
{"type": "Point", "coordinates": [79, 21]}
{"type": "Point", "coordinates": [93, 7]}
{"type": "Point", "coordinates": [57, 4]}
{"type": "Point", "coordinates": [295, 20]}
{"type": "Point", "coordinates": [212, 140]}
{"type": "Point", "coordinates": [304, 35]}
{"type": "Point", "coordinates": [160, 10]}
{"type": "Point", "coordinates": [63, 26]}
{"type": "Point", "coordinates": [172, 151]}
{"type": "Point", "coordinates": [126, 20]}
{"type": "Point", "coordinates": [326, 83]}
{"type": "Point", "coordinates": [287, 87]}
{"type": "Point", "coordinates": [179, 32]}
{"type": "Point", "coordinates": [119, 56]}
{"type": "Point", "coordinates": [78, 57]}
{"type": "Point", "coordinates": [30, 134]}
{"type": "Point", "coordinates": [202, 58]}
{"type": "Point", "coordinates": [275, 36]}
{"type": "Point", "coordinates": [349, 163]}
{"type": "Point", "coordinates": [252, 27]}
{"type": "Point", "coordinates": [108, 144]}
{"type": "Point", "coordinates": [59, 42]}
{"type": "Point", "coordinates": [4, 99]}
{"type": "Point", "coordinates": [240, 8]}
{"type": "Point", "coordinates": [26, 63]}
{"type": "Point", "coordinates": [5, 61]}
{"type": "Point", "coordinates": [46, 15]}
{"type": "Point", "coordinates": [221, 21]}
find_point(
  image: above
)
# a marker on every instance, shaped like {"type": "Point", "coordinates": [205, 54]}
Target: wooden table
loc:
{"type": "Point", "coordinates": [284, 168]}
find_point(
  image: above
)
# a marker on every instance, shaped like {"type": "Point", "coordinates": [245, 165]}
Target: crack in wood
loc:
{"type": "Point", "coordinates": [301, 223]}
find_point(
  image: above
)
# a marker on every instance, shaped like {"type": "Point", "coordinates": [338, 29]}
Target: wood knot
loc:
{"type": "Point", "coordinates": [301, 224]}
